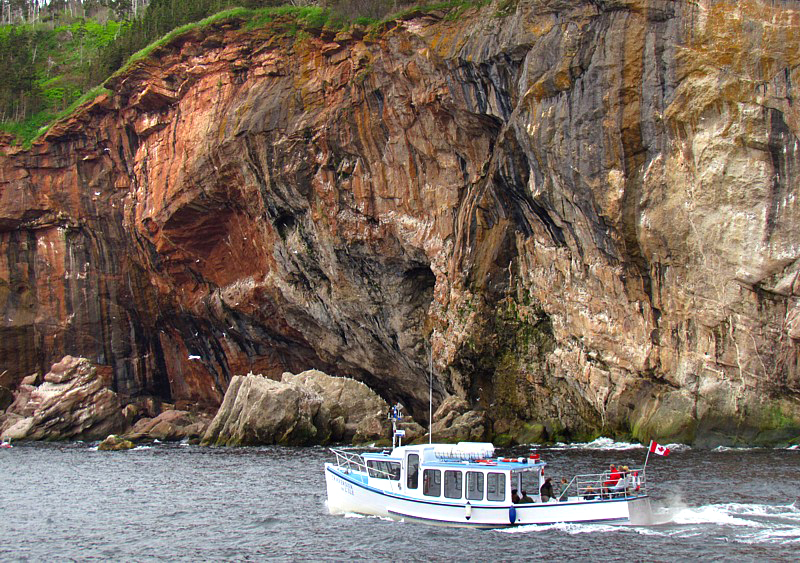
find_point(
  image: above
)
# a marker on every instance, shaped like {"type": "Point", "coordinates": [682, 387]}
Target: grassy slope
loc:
{"type": "Point", "coordinates": [63, 57]}
{"type": "Point", "coordinates": [309, 17]}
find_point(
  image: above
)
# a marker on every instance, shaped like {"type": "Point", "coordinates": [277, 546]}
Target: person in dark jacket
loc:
{"type": "Point", "coordinates": [546, 491]}
{"type": "Point", "coordinates": [525, 498]}
{"type": "Point", "coordinates": [514, 496]}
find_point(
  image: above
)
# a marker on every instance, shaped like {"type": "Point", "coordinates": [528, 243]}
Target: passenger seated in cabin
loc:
{"type": "Point", "coordinates": [613, 477]}
{"type": "Point", "coordinates": [546, 492]}
{"type": "Point", "coordinates": [525, 498]}
{"type": "Point", "coordinates": [622, 483]}
{"type": "Point", "coordinates": [589, 493]}
{"type": "Point", "coordinates": [514, 496]}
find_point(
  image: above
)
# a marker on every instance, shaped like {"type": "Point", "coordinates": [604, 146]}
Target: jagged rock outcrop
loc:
{"type": "Point", "coordinates": [586, 210]}
{"type": "Point", "coordinates": [303, 409]}
{"type": "Point", "coordinates": [257, 410]}
{"type": "Point", "coordinates": [170, 426]}
{"type": "Point", "coordinates": [72, 403]}
{"type": "Point", "coordinates": [356, 413]}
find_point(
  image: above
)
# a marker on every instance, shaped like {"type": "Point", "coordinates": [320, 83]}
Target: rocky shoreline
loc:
{"type": "Point", "coordinates": [74, 402]}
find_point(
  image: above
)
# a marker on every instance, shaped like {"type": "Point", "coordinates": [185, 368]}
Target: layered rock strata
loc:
{"type": "Point", "coordinates": [586, 212]}
{"type": "Point", "coordinates": [73, 402]}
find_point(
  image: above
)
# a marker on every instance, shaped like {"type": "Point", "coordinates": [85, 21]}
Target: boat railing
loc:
{"type": "Point", "coordinates": [598, 486]}
{"type": "Point", "coordinates": [349, 461]}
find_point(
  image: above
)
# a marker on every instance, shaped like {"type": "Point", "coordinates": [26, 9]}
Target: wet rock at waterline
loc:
{"type": "Point", "coordinates": [114, 443]}
{"type": "Point", "coordinates": [170, 426]}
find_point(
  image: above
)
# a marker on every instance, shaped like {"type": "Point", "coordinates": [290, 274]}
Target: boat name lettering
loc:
{"type": "Point", "coordinates": [346, 487]}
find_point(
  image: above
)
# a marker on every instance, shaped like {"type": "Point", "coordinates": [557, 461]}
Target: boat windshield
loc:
{"type": "Point", "coordinates": [384, 469]}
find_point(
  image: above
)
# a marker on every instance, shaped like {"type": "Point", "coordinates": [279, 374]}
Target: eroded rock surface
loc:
{"type": "Point", "coordinates": [587, 210]}
{"type": "Point", "coordinates": [257, 410]}
{"type": "Point", "coordinates": [170, 426]}
{"type": "Point", "coordinates": [303, 409]}
{"type": "Point", "coordinates": [454, 421]}
{"type": "Point", "coordinates": [356, 413]}
{"type": "Point", "coordinates": [72, 403]}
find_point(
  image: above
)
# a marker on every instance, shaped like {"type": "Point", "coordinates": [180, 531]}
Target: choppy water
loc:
{"type": "Point", "coordinates": [180, 502]}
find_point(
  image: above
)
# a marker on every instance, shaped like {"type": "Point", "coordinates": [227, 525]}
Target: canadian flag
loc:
{"type": "Point", "coordinates": [658, 448]}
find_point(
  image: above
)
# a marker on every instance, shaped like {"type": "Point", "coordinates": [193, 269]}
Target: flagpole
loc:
{"type": "Point", "coordinates": [650, 447]}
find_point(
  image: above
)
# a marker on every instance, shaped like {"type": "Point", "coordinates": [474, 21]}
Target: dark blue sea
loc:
{"type": "Point", "coordinates": [178, 502]}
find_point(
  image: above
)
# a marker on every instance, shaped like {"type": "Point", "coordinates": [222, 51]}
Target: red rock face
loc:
{"type": "Point", "coordinates": [585, 213]}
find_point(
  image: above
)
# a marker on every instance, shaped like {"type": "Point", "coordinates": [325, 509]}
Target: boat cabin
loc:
{"type": "Point", "coordinates": [464, 472]}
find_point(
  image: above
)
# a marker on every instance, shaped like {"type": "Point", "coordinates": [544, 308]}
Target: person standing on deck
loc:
{"type": "Point", "coordinates": [546, 491]}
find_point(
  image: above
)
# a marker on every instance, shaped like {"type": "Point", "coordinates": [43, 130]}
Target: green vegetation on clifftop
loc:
{"type": "Point", "coordinates": [50, 70]}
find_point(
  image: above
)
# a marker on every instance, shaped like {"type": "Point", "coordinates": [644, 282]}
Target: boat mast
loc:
{"type": "Point", "coordinates": [430, 396]}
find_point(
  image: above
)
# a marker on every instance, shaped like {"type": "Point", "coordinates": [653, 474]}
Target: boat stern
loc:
{"type": "Point", "coordinates": [639, 512]}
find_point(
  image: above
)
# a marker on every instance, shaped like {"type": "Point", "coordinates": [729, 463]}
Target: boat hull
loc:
{"type": "Point", "coordinates": [347, 493]}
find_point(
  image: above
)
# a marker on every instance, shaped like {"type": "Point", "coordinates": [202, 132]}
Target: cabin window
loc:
{"type": "Point", "coordinates": [530, 482]}
{"type": "Point", "coordinates": [495, 486]}
{"type": "Point", "coordinates": [412, 481]}
{"type": "Point", "coordinates": [383, 469]}
{"type": "Point", "coordinates": [432, 482]}
{"type": "Point", "coordinates": [452, 484]}
{"type": "Point", "coordinates": [474, 485]}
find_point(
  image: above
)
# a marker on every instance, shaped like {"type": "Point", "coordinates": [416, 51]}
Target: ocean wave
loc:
{"type": "Point", "coordinates": [569, 528]}
{"type": "Point", "coordinates": [736, 448]}
{"type": "Point", "coordinates": [781, 536]}
{"type": "Point", "coordinates": [598, 444]}
{"type": "Point", "coordinates": [670, 532]}
{"type": "Point", "coordinates": [782, 510]}
{"type": "Point", "coordinates": [610, 444]}
{"type": "Point", "coordinates": [369, 516]}
{"type": "Point", "coordinates": [714, 514]}
{"type": "Point", "coordinates": [730, 514]}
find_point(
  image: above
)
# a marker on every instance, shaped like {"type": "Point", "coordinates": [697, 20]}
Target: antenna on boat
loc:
{"type": "Point", "coordinates": [430, 394]}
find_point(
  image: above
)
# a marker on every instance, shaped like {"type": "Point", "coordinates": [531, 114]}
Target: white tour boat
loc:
{"type": "Point", "coordinates": [465, 485]}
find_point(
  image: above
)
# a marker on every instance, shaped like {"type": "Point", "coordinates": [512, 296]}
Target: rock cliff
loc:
{"type": "Point", "coordinates": [585, 211]}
